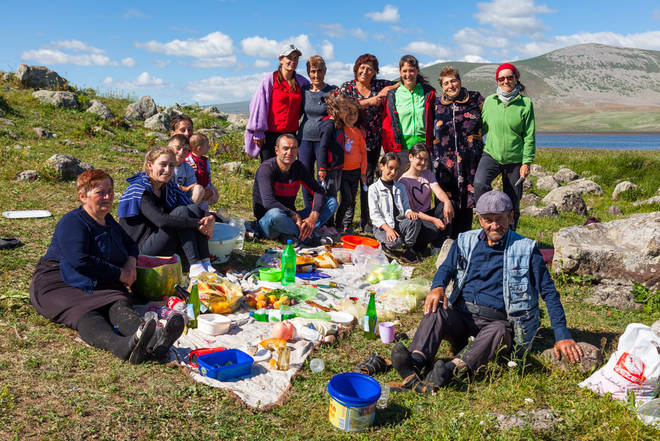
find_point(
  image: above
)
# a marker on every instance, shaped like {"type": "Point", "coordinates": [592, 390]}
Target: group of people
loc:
{"type": "Point", "coordinates": [434, 171]}
{"type": "Point", "coordinates": [416, 158]}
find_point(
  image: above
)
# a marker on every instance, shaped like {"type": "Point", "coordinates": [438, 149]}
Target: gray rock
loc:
{"type": "Point", "coordinates": [649, 201]}
{"type": "Point", "coordinates": [547, 211]}
{"type": "Point", "coordinates": [539, 420]}
{"type": "Point", "coordinates": [159, 136]}
{"type": "Point", "coordinates": [566, 201]}
{"type": "Point", "coordinates": [6, 76]}
{"type": "Point", "coordinates": [9, 133]}
{"type": "Point", "coordinates": [444, 251]}
{"type": "Point", "coordinates": [615, 294]}
{"type": "Point", "coordinates": [142, 109]}
{"type": "Point", "coordinates": [67, 166]}
{"type": "Point", "coordinates": [66, 100]}
{"type": "Point", "coordinates": [592, 358]}
{"type": "Point", "coordinates": [537, 170]}
{"type": "Point", "coordinates": [7, 122]}
{"type": "Point", "coordinates": [39, 77]}
{"type": "Point", "coordinates": [123, 149]}
{"type": "Point", "coordinates": [238, 119]}
{"type": "Point", "coordinates": [159, 121]}
{"type": "Point", "coordinates": [99, 108]}
{"type": "Point", "coordinates": [584, 186]}
{"type": "Point", "coordinates": [656, 327]}
{"type": "Point", "coordinates": [173, 111]}
{"type": "Point", "coordinates": [529, 199]}
{"type": "Point", "coordinates": [565, 175]}
{"type": "Point", "coordinates": [232, 168]}
{"type": "Point", "coordinates": [214, 135]}
{"type": "Point", "coordinates": [70, 143]}
{"type": "Point", "coordinates": [527, 185]}
{"type": "Point", "coordinates": [625, 249]}
{"type": "Point", "coordinates": [42, 133]}
{"type": "Point", "coordinates": [210, 109]}
{"type": "Point", "coordinates": [615, 210]}
{"type": "Point", "coordinates": [103, 131]}
{"type": "Point", "coordinates": [547, 183]}
{"type": "Point", "coordinates": [622, 187]}
{"type": "Point", "coordinates": [27, 175]}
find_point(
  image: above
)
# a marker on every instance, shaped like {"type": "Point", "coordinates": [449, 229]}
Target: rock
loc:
{"type": "Point", "coordinates": [527, 185]}
{"type": "Point", "coordinates": [615, 294]}
{"type": "Point", "coordinates": [658, 191]}
{"type": "Point", "coordinates": [159, 121]}
{"type": "Point", "coordinates": [238, 119]}
{"type": "Point", "coordinates": [39, 77]}
{"type": "Point", "coordinates": [123, 149]}
{"type": "Point", "coordinates": [566, 201]}
{"type": "Point", "coordinates": [584, 186]}
{"type": "Point", "coordinates": [623, 187]}
{"type": "Point", "coordinates": [537, 170]}
{"type": "Point", "coordinates": [99, 108]}
{"type": "Point", "coordinates": [173, 111]}
{"type": "Point", "coordinates": [656, 327]}
{"type": "Point", "coordinates": [42, 133]}
{"type": "Point", "coordinates": [649, 201]}
{"type": "Point", "coordinates": [538, 420]}
{"type": "Point", "coordinates": [547, 211]}
{"type": "Point", "coordinates": [627, 249]}
{"type": "Point", "coordinates": [159, 136]}
{"type": "Point", "coordinates": [444, 251]}
{"type": "Point", "coordinates": [103, 131]}
{"type": "Point", "coordinates": [615, 210]}
{"type": "Point", "coordinates": [547, 183]}
{"type": "Point", "coordinates": [142, 109]}
{"type": "Point", "coordinates": [213, 134]}
{"type": "Point", "coordinates": [70, 143]}
{"type": "Point", "coordinates": [232, 168]}
{"type": "Point", "coordinates": [66, 100]}
{"type": "Point", "coordinates": [6, 76]}
{"type": "Point", "coordinates": [7, 122]}
{"type": "Point", "coordinates": [9, 133]}
{"type": "Point", "coordinates": [67, 166]}
{"type": "Point", "coordinates": [27, 175]}
{"type": "Point", "coordinates": [210, 109]}
{"type": "Point", "coordinates": [565, 175]}
{"type": "Point", "coordinates": [529, 199]}
{"type": "Point", "coordinates": [592, 358]}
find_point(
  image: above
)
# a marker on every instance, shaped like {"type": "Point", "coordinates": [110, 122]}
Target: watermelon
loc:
{"type": "Point", "coordinates": [156, 277]}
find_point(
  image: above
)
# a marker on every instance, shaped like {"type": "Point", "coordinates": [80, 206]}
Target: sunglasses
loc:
{"type": "Point", "coordinates": [503, 79]}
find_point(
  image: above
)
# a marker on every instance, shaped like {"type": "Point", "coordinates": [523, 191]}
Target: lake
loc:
{"type": "Point", "coordinates": [611, 141]}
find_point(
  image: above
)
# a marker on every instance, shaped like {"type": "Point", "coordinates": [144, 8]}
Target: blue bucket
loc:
{"type": "Point", "coordinates": [353, 399]}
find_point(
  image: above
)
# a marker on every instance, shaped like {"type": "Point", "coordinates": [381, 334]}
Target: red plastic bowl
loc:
{"type": "Point", "coordinates": [351, 242]}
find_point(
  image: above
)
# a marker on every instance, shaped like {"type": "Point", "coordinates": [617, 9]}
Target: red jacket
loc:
{"type": "Point", "coordinates": [391, 134]}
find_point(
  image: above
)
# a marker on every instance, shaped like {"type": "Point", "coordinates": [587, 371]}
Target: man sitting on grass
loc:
{"type": "Point", "coordinates": [276, 186]}
{"type": "Point", "coordinates": [498, 276]}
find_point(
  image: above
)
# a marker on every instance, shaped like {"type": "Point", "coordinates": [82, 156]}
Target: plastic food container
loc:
{"type": "Point", "coordinates": [351, 242]}
{"type": "Point", "coordinates": [223, 241]}
{"type": "Point", "coordinates": [213, 324]}
{"type": "Point", "coordinates": [353, 400]}
{"type": "Point", "coordinates": [270, 274]}
{"type": "Point", "coordinates": [343, 255]}
{"type": "Point", "coordinates": [225, 365]}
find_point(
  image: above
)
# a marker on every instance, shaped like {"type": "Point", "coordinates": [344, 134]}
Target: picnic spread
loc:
{"type": "Point", "coordinates": [254, 331]}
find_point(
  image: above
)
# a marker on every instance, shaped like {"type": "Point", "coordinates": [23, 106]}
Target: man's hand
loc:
{"type": "Point", "coordinates": [568, 349]}
{"type": "Point", "coordinates": [412, 215]}
{"type": "Point", "coordinates": [206, 226]}
{"type": "Point", "coordinates": [128, 272]}
{"type": "Point", "coordinates": [433, 298]}
{"type": "Point", "coordinates": [308, 225]}
{"type": "Point", "coordinates": [390, 233]}
{"type": "Point", "coordinates": [524, 171]}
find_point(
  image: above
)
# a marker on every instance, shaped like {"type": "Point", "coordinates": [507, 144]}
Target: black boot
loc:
{"type": "Point", "coordinates": [140, 342]}
{"type": "Point", "coordinates": [165, 336]}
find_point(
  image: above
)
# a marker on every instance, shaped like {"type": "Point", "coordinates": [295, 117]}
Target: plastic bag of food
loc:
{"type": "Point", "coordinates": [156, 276]}
{"type": "Point", "coordinates": [356, 309]}
{"type": "Point", "coordinates": [390, 271]}
{"type": "Point", "coordinates": [417, 287]}
{"type": "Point", "coordinates": [219, 295]}
{"type": "Point", "coordinates": [366, 258]}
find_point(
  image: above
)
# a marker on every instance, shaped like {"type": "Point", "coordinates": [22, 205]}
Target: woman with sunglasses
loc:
{"type": "Point", "coordinates": [508, 123]}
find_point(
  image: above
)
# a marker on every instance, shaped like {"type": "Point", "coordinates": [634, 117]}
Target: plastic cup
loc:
{"type": "Point", "coordinates": [386, 330]}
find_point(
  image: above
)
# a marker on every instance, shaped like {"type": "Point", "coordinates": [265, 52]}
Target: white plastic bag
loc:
{"type": "Point", "coordinates": [366, 258]}
{"type": "Point", "coordinates": [633, 368]}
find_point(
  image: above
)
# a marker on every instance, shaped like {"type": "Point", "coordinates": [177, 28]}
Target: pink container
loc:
{"type": "Point", "coordinates": [386, 330]}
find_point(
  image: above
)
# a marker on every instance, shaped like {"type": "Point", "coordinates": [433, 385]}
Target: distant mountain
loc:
{"type": "Point", "coordinates": [588, 87]}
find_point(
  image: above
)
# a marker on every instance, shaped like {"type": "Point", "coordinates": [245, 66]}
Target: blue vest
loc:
{"type": "Point", "coordinates": [520, 297]}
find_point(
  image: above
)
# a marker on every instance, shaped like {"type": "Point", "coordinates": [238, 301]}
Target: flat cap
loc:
{"type": "Point", "coordinates": [494, 201]}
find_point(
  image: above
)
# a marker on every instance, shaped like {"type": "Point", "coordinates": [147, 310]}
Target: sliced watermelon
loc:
{"type": "Point", "coordinates": [156, 277]}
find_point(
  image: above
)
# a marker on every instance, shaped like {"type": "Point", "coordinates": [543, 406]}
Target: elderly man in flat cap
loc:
{"type": "Point", "coordinates": [498, 276]}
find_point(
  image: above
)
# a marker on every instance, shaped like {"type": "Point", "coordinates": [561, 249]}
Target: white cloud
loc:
{"type": "Point", "coordinates": [389, 72]}
{"type": "Point", "coordinates": [389, 14]}
{"type": "Point", "coordinates": [512, 17]}
{"type": "Point", "coordinates": [161, 63]}
{"type": "Point", "coordinates": [266, 48]}
{"type": "Point", "coordinates": [474, 59]}
{"type": "Point", "coordinates": [645, 40]}
{"type": "Point", "coordinates": [337, 30]}
{"type": "Point", "coordinates": [143, 81]}
{"type": "Point", "coordinates": [76, 46]}
{"type": "Point", "coordinates": [54, 56]}
{"type": "Point", "coordinates": [135, 13]}
{"type": "Point", "coordinates": [327, 50]}
{"type": "Point", "coordinates": [262, 64]}
{"type": "Point", "coordinates": [339, 72]}
{"type": "Point", "coordinates": [128, 62]}
{"type": "Point", "coordinates": [359, 33]}
{"type": "Point", "coordinates": [219, 89]}
{"type": "Point", "coordinates": [213, 50]}
{"type": "Point", "coordinates": [426, 48]}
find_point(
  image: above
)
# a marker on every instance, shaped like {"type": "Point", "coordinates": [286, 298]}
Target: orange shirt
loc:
{"type": "Point", "coordinates": [355, 150]}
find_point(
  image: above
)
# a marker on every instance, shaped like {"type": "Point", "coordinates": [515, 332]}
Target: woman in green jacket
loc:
{"type": "Point", "coordinates": [508, 123]}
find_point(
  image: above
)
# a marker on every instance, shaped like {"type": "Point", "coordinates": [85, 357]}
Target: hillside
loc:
{"type": "Point", "coordinates": [587, 87]}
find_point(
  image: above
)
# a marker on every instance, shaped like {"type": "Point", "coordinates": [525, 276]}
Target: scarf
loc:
{"type": "Point", "coordinates": [506, 97]}
{"type": "Point", "coordinates": [461, 98]}
{"type": "Point", "coordinates": [129, 203]}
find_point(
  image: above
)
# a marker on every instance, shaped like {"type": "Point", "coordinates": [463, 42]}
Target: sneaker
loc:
{"type": "Point", "coordinates": [439, 375]}
{"type": "Point", "coordinates": [165, 336]}
{"type": "Point", "coordinates": [141, 340]}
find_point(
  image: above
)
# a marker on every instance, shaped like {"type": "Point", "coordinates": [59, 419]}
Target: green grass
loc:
{"type": "Point", "coordinates": [55, 387]}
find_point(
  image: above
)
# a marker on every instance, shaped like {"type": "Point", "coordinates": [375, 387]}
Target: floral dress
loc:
{"type": "Point", "coordinates": [373, 115]}
{"type": "Point", "coordinates": [457, 145]}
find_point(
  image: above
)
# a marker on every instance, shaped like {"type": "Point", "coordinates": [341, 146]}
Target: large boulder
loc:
{"type": "Point", "coordinates": [66, 100]}
{"type": "Point", "coordinates": [159, 121]}
{"type": "Point", "coordinates": [237, 120]}
{"type": "Point", "coordinates": [649, 201]}
{"type": "Point", "coordinates": [529, 199]}
{"type": "Point", "coordinates": [534, 211]}
{"type": "Point", "coordinates": [142, 109]}
{"type": "Point", "coordinates": [66, 166]}
{"type": "Point", "coordinates": [565, 175]}
{"type": "Point", "coordinates": [547, 183]}
{"type": "Point", "coordinates": [39, 77]}
{"type": "Point", "coordinates": [624, 249]}
{"type": "Point", "coordinates": [615, 294]}
{"type": "Point", "coordinates": [592, 358]}
{"type": "Point", "coordinates": [584, 186]}
{"type": "Point", "coordinates": [537, 170]}
{"type": "Point", "coordinates": [99, 108]}
{"type": "Point", "coordinates": [28, 175]}
{"type": "Point", "coordinates": [566, 201]}
{"type": "Point", "coordinates": [623, 187]}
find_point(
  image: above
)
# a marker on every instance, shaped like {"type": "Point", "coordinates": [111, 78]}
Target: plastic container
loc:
{"type": "Point", "coordinates": [225, 365]}
{"type": "Point", "coordinates": [270, 274]}
{"type": "Point", "coordinates": [343, 255]}
{"type": "Point", "coordinates": [351, 242]}
{"type": "Point", "coordinates": [240, 224]}
{"type": "Point", "coordinates": [649, 413]}
{"type": "Point", "coordinates": [316, 365]}
{"type": "Point", "coordinates": [386, 331]}
{"type": "Point", "coordinates": [213, 324]}
{"type": "Point", "coordinates": [353, 400]}
{"type": "Point", "coordinates": [223, 241]}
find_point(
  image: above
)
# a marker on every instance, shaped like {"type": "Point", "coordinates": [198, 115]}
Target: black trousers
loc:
{"type": "Point", "coordinates": [488, 170]}
{"type": "Point", "coordinates": [372, 164]}
{"type": "Point", "coordinates": [456, 326]}
{"type": "Point", "coordinates": [350, 181]}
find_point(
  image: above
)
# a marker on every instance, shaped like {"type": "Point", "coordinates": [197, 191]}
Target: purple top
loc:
{"type": "Point", "coordinates": [419, 190]}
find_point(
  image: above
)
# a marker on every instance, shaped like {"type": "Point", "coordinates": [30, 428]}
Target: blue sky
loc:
{"type": "Point", "coordinates": [217, 51]}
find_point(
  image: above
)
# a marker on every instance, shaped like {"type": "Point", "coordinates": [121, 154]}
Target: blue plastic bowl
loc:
{"type": "Point", "coordinates": [353, 389]}
{"type": "Point", "coordinates": [225, 365]}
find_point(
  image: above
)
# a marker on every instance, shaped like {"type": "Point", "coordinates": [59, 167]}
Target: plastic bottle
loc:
{"type": "Point", "coordinates": [240, 224]}
{"type": "Point", "coordinates": [194, 301]}
{"type": "Point", "coordinates": [316, 365]}
{"type": "Point", "coordinates": [288, 264]}
{"type": "Point", "coordinates": [370, 318]}
{"type": "Point", "coordinates": [384, 396]}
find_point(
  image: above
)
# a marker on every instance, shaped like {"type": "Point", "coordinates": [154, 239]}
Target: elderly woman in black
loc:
{"type": "Point", "coordinates": [82, 280]}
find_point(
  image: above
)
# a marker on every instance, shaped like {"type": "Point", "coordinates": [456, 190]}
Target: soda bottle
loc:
{"type": "Point", "coordinates": [370, 318]}
{"type": "Point", "coordinates": [288, 264]}
{"type": "Point", "coordinates": [194, 301]}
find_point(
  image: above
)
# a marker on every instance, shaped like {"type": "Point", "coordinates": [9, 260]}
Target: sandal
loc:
{"type": "Point", "coordinates": [415, 383]}
{"type": "Point", "coordinates": [373, 365]}
{"type": "Point", "coordinates": [9, 243]}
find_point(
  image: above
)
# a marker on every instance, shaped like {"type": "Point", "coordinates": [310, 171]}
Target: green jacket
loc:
{"type": "Point", "coordinates": [510, 130]}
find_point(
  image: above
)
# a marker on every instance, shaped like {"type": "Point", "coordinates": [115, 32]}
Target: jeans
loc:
{"type": "Point", "coordinates": [488, 170]}
{"type": "Point", "coordinates": [276, 222]}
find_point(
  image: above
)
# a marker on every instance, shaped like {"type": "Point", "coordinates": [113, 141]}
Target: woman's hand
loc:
{"type": "Point", "coordinates": [363, 178]}
{"type": "Point", "coordinates": [448, 211]}
{"type": "Point", "coordinates": [524, 171]}
{"type": "Point", "coordinates": [390, 233]}
{"type": "Point", "coordinates": [322, 175]}
{"type": "Point", "coordinates": [412, 215]}
{"type": "Point", "coordinates": [439, 224]}
{"type": "Point", "coordinates": [128, 272]}
{"type": "Point", "coordinates": [259, 142]}
{"type": "Point", "coordinates": [206, 226]}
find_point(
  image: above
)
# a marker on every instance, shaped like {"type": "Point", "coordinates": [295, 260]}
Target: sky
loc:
{"type": "Point", "coordinates": [217, 51]}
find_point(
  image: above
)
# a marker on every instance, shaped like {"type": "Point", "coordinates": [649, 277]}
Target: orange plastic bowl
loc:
{"type": "Point", "coordinates": [351, 242]}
